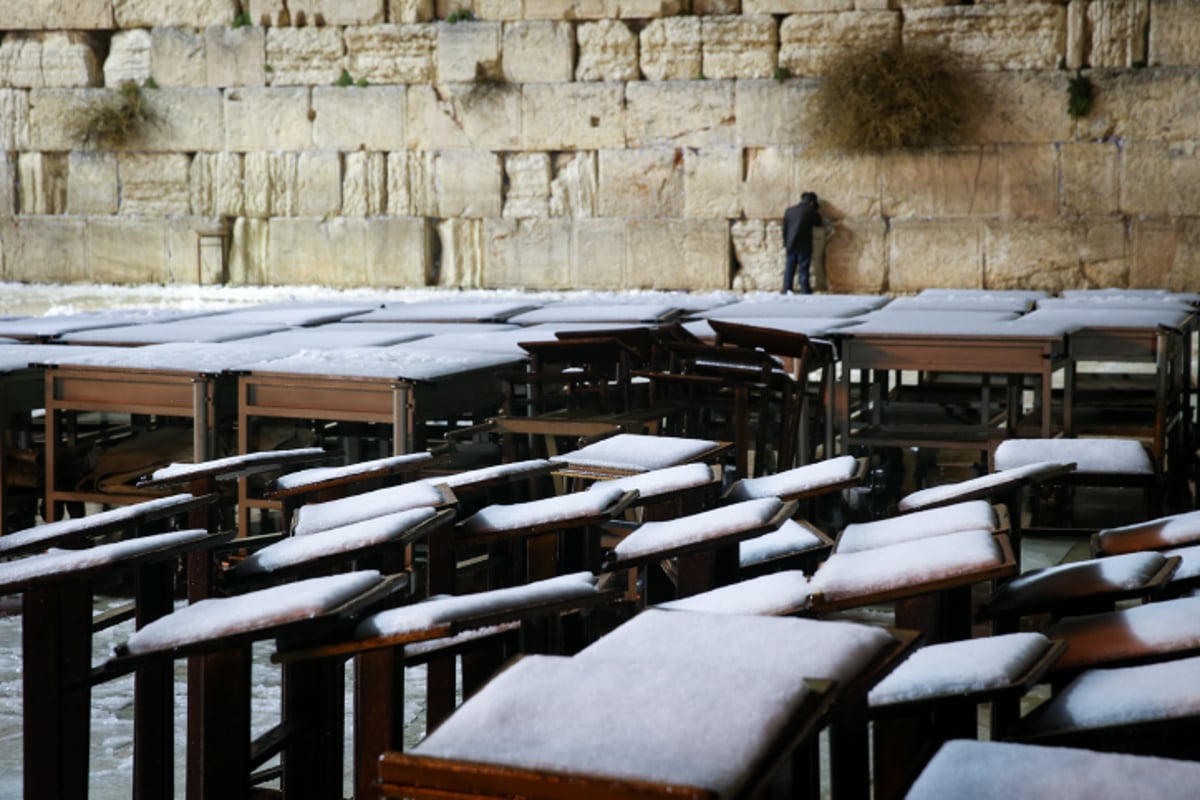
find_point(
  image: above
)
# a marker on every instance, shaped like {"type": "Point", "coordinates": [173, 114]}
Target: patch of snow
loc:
{"type": "Point", "coordinates": [965, 516]}
{"type": "Point", "coordinates": [716, 523]}
{"type": "Point", "coordinates": [799, 480]}
{"type": "Point", "coordinates": [778, 594]}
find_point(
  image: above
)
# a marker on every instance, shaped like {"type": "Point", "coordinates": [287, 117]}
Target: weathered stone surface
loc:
{"type": "Point", "coordinates": [347, 252]}
{"type": "Point", "coordinates": [572, 116]}
{"type": "Point", "coordinates": [848, 186]}
{"type": "Point", "coordinates": [530, 253]}
{"type": "Point", "coordinates": [235, 56]}
{"type": "Point", "coordinates": [773, 113]}
{"type": "Point", "coordinates": [43, 183]}
{"type": "Point", "coordinates": [712, 178]}
{"type": "Point", "coordinates": [1012, 37]}
{"type": "Point", "coordinates": [608, 51]}
{"type": "Point", "coordinates": [270, 184]}
{"type": "Point", "coordinates": [194, 251]}
{"type": "Point", "coordinates": [43, 60]}
{"type": "Point", "coordinates": [575, 186]}
{"type": "Point", "coordinates": [855, 258]}
{"type": "Point", "coordinates": [413, 183]}
{"type": "Point", "coordinates": [468, 52]}
{"type": "Point", "coordinates": [215, 184]}
{"type": "Point", "coordinates": [924, 254]}
{"type": "Point", "coordinates": [678, 113]}
{"type": "Point", "coordinates": [350, 118]}
{"type": "Point", "coordinates": [177, 57]}
{"type": "Point", "coordinates": [671, 49]}
{"type": "Point", "coordinates": [464, 116]}
{"type": "Point", "coordinates": [45, 249]}
{"type": "Point", "coordinates": [767, 188]}
{"type": "Point", "coordinates": [1090, 178]}
{"type": "Point", "coordinates": [56, 14]}
{"type": "Point", "coordinates": [248, 251]}
{"type": "Point", "coordinates": [1151, 104]}
{"type": "Point", "coordinates": [153, 184]}
{"type": "Point", "coordinates": [14, 119]}
{"type": "Point", "coordinates": [942, 183]}
{"type": "Point", "coordinates": [1021, 107]}
{"type": "Point", "coordinates": [1174, 32]}
{"type": "Point", "coordinates": [392, 53]}
{"type": "Point", "coordinates": [8, 194]}
{"type": "Point", "coordinates": [739, 46]}
{"type": "Point", "coordinates": [318, 183]}
{"type": "Point", "coordinates": [364, 184]}
{"type": "Point", "coordinates": [180, 119]}
{"type": "Point", "coordinates": [808, 41]}
{"type": "Point", "coordinates": [600, 9]}
{"type": "Point", "coordinates": [716, 6]}
{"type": "Point", "coordinates": [193, 14]}
{"type": "Point", "coordinates": [1165, 254]}
{"type": "Point", "coordinates": [810, 7]}
{"type": "Point", "coordinates": [598, 253]}
{"type": "Point", "coordinates": [316, 12]}
{"type": "Point", "coordinates": [758, 249]}
{"type": "Point", "coordinates": [123, 251]}
{"type": "Point", "coordinates": [1160, 178]}
{"type": "Point", "coordinates": [407, 11]}
{"type": "Point", "coordinates": [128, 58]}
{"type": "Point", "coordinates": [470, 184]}
{"type": "Point", "coordinates": [91, 183]}
{"type": "Point", "coordinates": [1108, 34]}
{"type": "Point", "coordinates": [527, 182]}
{"type": "Point", "coordinates": [678, 254]}
{"type": "Point", "coordinates": [305, 56]}
{"type": "Point", "coordinates": [641, 183]}
{"type": "Point", "coordinates": [536, 52]}
{"type": "Point", "coordinates": [502, 10]}
{"type": "Point", "coordinates": [1055, 255]}
{"type": "Point", "coordinates": [461, 256]}
{"type": "Point", "coordinates": [1028, 180]}
{"type": "Point", "coordinates": [267, 119]}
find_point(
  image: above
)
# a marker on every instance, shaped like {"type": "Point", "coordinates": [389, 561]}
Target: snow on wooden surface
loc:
{"type": "Point", "coordinates": [907, 565]}
{"type": "Point", "coordinates": [562, 508]}
{"type": "Point", "coordinates": [1160, 628]}
{"type": "Point", "coordinates": [52, 325]}
{"type": "Point", "coordinates": [202, 329]}
{"type": "Point", "coordinates": [1102, 456]}
{"type": "Point", "coordinates": [442, 610]}
{"type": "Point", "coordinates": [319, 338]}
{"type": "Point", "coordinates": [229, 464]}
{"type": "Point", "coordinates": [961, 302]}
{"type": "Point", "coordinates": [1155, 534]}
{"type": "Point", "coordinates": [413, 362]}
{"type": "Point", "coordinates": [1004, 771]}
{"type": "Point", "coordinates": [966, 516]}
{"type": "Point", "coordinates": [1189, 562]}
{"type": "Point", "coordinates": [246, 613]}
{"type": "Point", "coordinates": [55, 531]}
{"type": "Point", "coordinates": [789, 646]}
{"type": "Point", "coordinates": [933, 323]}
{"type": "Point", "coordinates": [697, 727]}
{"type": "Point", "coordinates": [584, 311]}
{"type": "Point", "coordinates": [1026, 294]}
{"type": "Point", "coordinates": [344, 541]}
{"type": "Point", "coordinates": [825, 305]}
{"type": "Point", "coordinates": [962, 667]}
{"type": "Point", "coordinates": [512, 470]}
{"type": "Point", "coordinates": [658, 482]}
{"type": "Point", "coordinates": [777, 594]}
{"type": "Point", "coordinates": [808, 478]}
{"type": "Point", "coordinates": [1103, 315]}
{"type": "Point", "coordinates": [314, 475]}
{"type": "Point", "coordinates": [790, 538]}
{"type": "Point", "coordinates": [186, 357]}
{"type": "Point", "coordinates": [65, 562]}
{"type": "Point", "coordinates": [815, 327]}
{"type": "Point", "coordinates": [16, 356]}
{"type": "Point", "coordinates": [451, 311]}
{"type": "Point", "coordinates": [1079, 579]}
{"type": "Point", "coordinates": [315, 517]}
{"type": "Point", "coordinates": [663, 537]}
{"type": "Point", "coordinates": [637, 452]}
{"type": "Point", "coordinates": [993, 481]}
{"type": "Point", "coordinates": [297, 313]}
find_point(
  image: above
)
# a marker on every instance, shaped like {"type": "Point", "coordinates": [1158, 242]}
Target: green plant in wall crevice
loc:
{"type": "Point", "coordinates": [119, 119]}
{"type": "Point", "coordinates": [1080, 96]}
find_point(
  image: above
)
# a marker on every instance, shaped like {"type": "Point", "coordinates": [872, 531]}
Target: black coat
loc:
{"type": "Point", "coordinates": [798, 224]}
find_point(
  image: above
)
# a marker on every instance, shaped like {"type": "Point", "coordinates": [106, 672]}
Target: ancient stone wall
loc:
{"type": "Point", "coordinates": [586, 144]}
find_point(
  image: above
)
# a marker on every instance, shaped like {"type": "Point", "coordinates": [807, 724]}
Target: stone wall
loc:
{"type": "Point", "coordinates": [587, 144]}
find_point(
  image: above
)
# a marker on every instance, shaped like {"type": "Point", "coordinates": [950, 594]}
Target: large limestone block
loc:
{"type": "Point", "coordinates": [14, 119]}
{"type": "Point", "coordinates": [193, 13]}
{"type": "Point", "coordinates": [1090, 178]}
{"type": "Point", "coordinates": [177, 57]}
{"type": "Point", "coordinates": [468, 51]}
{"type": "Point", "coordinates": [812, 7]}
{"type": "Point", "coordinates": [807, 42]}
{"type": "Point", "coordinates": [196, 251]}
{"type": "Point", "coordinates": [527, 185]}
{"type": "Point", "coordinates": [235, 56]}
{"type": "Point", "coordinates": [91, 183]}
{"type": "Point", "coordinates": [42, 181]}
{"type": "Point", "coordinates": [392, 53]}
{"type": "Point", "coordinates": [940, 253]}
{"type": "Point", "coordinates": [1174, 32]}
{"type": "Point", "coordinates": [758, 250]}
{"type": "Point", "coordinates": [575, 187]}
{"type": "Point", "coordinates": [305, 56]}
{"type": "Point", "coordinates": [56, 14]}
{"type": "Point", "coordinates": [353, 118]}
{"type": "Point", "coordinates": [527, 253]}
{"type": "Point", "coordinates": [126, 251]}
{"type": "Point", "coordinates": [712, 178]}
{"type": "Point", "coordinates": [470, 184]}
{"type": "Point", "coordinates": [318, 183]}
{"type": "Point", "coordinates": [413, 188]}
{"type": "Point", "coordinates": [347, 252]}
{"type": "Point", "coordinates": [677, 113]}
{"type": "Point", "coordinates": [1028, 180]}
{"type": "Point", "coordinates": [8, 194]}
{"type": "Point", "coordinates": [1144, 104]}
{"type": "Point", "coordinates": [317, 13]}
{"type": "Point", "coordinates": [671, 48]}
{"type": "Point", "coordinates": [45, 250]}
{"type": "Point", "coordinates": [538, 51]}
{"type": "Point", "coordinates": [215, 184]}
{"type": "Point", "coordinates": [154, 184]}
{"type": "Point", "coordinates": [598, 253]}
{"type": "Point", "coordinates": [716, 6]}
{"type": "Point", "coordinates": [847, 186]}
{"type": "Point", "coordinates": [56, 59]}
{"type": "Point", "coordinates": [465, 116]}
{"type": "Point", "coordinates": [267, 119]}
{"type": "Point", "coordinates": [572, 116]}
{"type": "Point", "coordinates": [1106, 34]}
{"type": "Point", "coordinates": [742, 46]}
{"type": "Point", "coordinates": [179, 119]}
{"type": "Point", "coordinates": [398, 252]}
{"type": "Point", "coordinates": [941, 183]}
{"type": "Point", "coordinates": [408, 11]}
{"type": "Point", "coordinates": [600, 9]}
{"type": "Point", "coordinates": [501, 10]}
{"type": "Point", "coordinates": [771, 113]}
{"type": "Point", "coordinates": [129, 58]}
{"type": "Point", "coordinates": [992, 36]}
{"type": "Point", "coordinates": [1021, 107]}
{"type": "Point", "coordinates": [647, 182]}
{"type": "Point", "coordinates": [248, 252]}
{"type": "Point", "coordinates": [460, 260]}
{"type": "Point", "coordinates": [608, 51]}
{"type": "Point", "coordinates": [1160, 178]}
{"type": "Point", "coordinates": [856, 256]}
{"type": "Point", "coordinates": [364, 184]}
{"type": "Point", "coordinates": [1054, 255]}
{"type": "Point", "coordinates": [1165, 254]}
{"type": "Point", "coordinates": [767, 183]}
{"type": "Point", "coordinates": [688, 254]}
{"type": "Point", "coordinates": [270, 184]}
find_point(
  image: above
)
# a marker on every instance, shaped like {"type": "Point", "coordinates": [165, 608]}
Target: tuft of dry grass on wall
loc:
{"type": "Point", "coordinates": [871, 101]}
{"type": "Point", "coordinates": [115, 121]}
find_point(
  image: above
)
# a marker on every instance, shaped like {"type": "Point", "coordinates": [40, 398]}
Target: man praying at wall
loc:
{"type": "Point", "coordinates": [798, 224]}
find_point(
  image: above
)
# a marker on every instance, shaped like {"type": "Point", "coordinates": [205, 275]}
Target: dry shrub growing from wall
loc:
{"type": "Point", "coordinates": [871, 101]}
{"type": "Point", "coordinates": [115, 121]}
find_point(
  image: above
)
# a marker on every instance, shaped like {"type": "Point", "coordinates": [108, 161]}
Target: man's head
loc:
{"type": "Point", "coordinates": [808, 197]}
